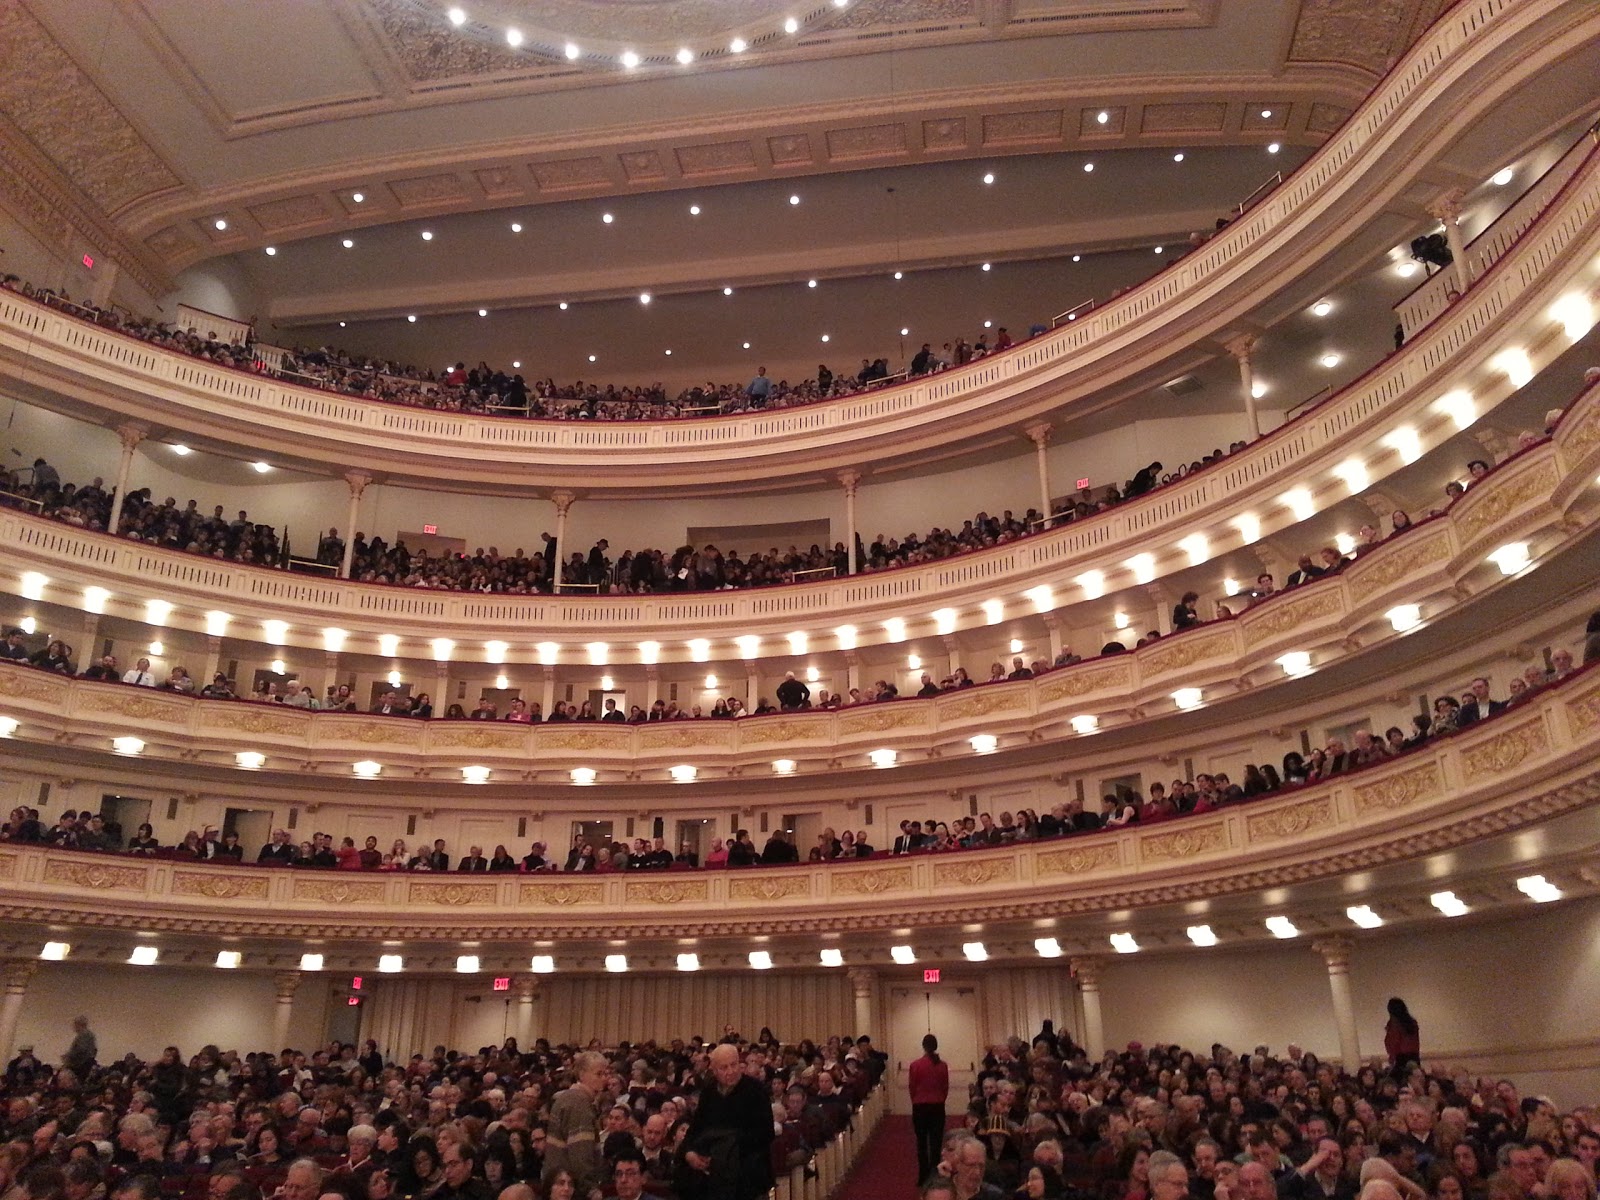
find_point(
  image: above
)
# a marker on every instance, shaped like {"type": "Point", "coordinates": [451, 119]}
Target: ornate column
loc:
{"type": "Point", "coordinates": [527, 998]}
{"type": "Point", "coordinates": [1447, 209]}
{"type": "Point", "coordinates": [1087, 972]}
{"type": "Point", "coordinates": [1162, 599]}
{"type": "Point", "coordinates": [18, 973]}
{"type": "Point", "coordinates": [952, 652]}
{"type": "Point", "coordinates": [357, 480]}
{"type": "Point", "coordinates": [1241, 347]}
{"type": "Point", "coordinates": [850, 480]}
{"type": "Point", "coordinates": [1336, 950]}
{"type": "Point", "coordinates": [752, 686]}
{"type": "Point", "coordinates": [213, 661]}
{"type": "Point", "coordinates": [287, 983]}
{"type": "Point", "coordinates": [852, 671]}
{"type": "Point", "coordinates": [1052, 623]}
{"type": "Point", "coordinates": [563, 502]}
{"type": "Point", "coordinates": [652, 687]}
{"type": "Point", "coordinates": [864, 985]}
{"type": "Point", "coordinates": [89, 651]}
{"type": "Point", "coordinates": [1040, 436]}
{"type": "Point", "coordinates": [330, 678]}
{"type": "Point", "coordinates": [130, 435]}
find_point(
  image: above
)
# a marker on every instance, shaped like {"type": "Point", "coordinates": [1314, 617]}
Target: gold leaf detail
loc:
{"type": "Point", "coordinates": [880, 719]}
{"type": "Point", "coordinates": [975, 871]}
{"type": "Point", "coordinates": [479, 739]}
{"type": "Point", "coordinates": [769, 887]}
{"type": "Point", "coordinates": [1184, 843]}
{"type": "Point", "coordinates": [1079, 859]}
{"type": "Point", "coordinates": [100, 876]}
{"type": "Point", "coordinates": [1399, 790]}
{"type": "Point", "coordinates": [1504, 751]}
{"type": "Point", "coordinates": [561, 894]}
{"type": "Point", "coordinates": [1263, 624]}
{"type": "Point", "coordinates": [340, 892]}
{"type": "Point", "coordinates": [1078, 681]}
{"type": "Point", "coordinates": [1500, 501]}
{"type": "Point", "coordinates": [667, 891]}
{"type": "Point", "coordinates": [453, 894]}
{"type": "Point", "coordinates": [219, 887]}
{"type": "Point", "coordinates": [1290, 820]}
{"type": "Point", "coordinates": [1390, 564]}
{"type": "Point", "coordinates": [871, 883]}
{"type": "Point", "coordinates": [982, 704]}
{"type": "Point", "coordinates": [1185, 652]}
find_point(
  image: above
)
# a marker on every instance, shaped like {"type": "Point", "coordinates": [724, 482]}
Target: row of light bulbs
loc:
{"type": "Point", "coordinates": [1536, 887]}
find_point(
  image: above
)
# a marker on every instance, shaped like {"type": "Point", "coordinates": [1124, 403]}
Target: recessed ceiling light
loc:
{"type": "Point", "coordinates": [988, 324]}
{"type": "Point", "coordinates": [562, 306]}
{"type": "Point", "coordinates": [483, 312]}
{"type": "Point", "coordinates": [457, 17]}
{"type": "Point", "coordinates": [899, 275]}
{"type": "Point", "coordinates": [412, 318]}
{"type": "Point", "coordinates": [1178, 157]}
{"type": "Point", "coordinates": [840, 3]}
{"type": "Point", "coordinates": [572, 50]}
{"type": "Point", "coordinates": [1502, 177]}
{"type": "Point", "coordinates": [630, 59]}
{"type": "Point", "coordinates": [905, 332]}
{"type": "Point", "coordinates": [747, 345]}
{"type": "Point", "coordinates": [669, 353]}
{"type": "Point", "coordinates": [180, 450]}
{"type": "Point", "coordinates": [694, 210]}
{"type": "Point", "coordinates": [513, 37]}
{"type": "Point", "coordinates": [1321, 308]}
{"type": "Point", "coordinates": [1266, 114]}
{"type": "Point", "coordinates": [1089, 166]}
{"type": "Point", "coordinates": [738, 46]}
{"type": "Point", "coordinates": [261, 468]}
{"type": "Point", "coordinates": [220, 223]}
{"type": "Point", "coordinates": [794, 199]}
{"type": "Point", "coordinates": [1077, 258]}
{"type": "Point", "coordinates": [358, 197]}
{"type": "Point", "coordinates": [1159, 249]}
{"type": "Point", "coordinates": [986, 266]}
{"type": "Point", "coordinates": [591, 358]}
{"type": "Point", "coordinates": [644, 297]}
{"type": "Point", "coordinates": [825, 337]}
{"type": "Point", "coordinates": [341, 324]}
{"type": "Point", "coordinates": [685, 56]}
{"type": "Point", "coordinates": [727, 291]}
{"type": "Point", "coordinates": [1273, 147]}
{"type": "Point", "coordinates": [791, 26]}
{"type": "Point", "coordinates": [1329, 360]}
{"type": "Point", "coordinates": [1405, 269]}
{"type": "Point", "coordinates": [988, 177]}
{"type": "Point", "coordinates": [811, 283]}
{"type": "Point", "coordinates": [347, 244]}
{"type": "Point", "coordinates": [607, 218]}
{"type": "Point", "coordinates": [271, 250]}
{"type": "Point", "coordinates": [516, 227]}
{"type": "Point", "coordinates": [516, 364]}
{"type": "Point", "coordinates": [427, 235]}
{"type": "Point", "coordinates": [1102, 116]}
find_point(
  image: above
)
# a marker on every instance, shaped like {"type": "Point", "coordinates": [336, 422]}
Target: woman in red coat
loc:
{"type": "Point", "coordinates": [1401, 1038]}
{"type": "Point", "coordinates": [930, 1087]}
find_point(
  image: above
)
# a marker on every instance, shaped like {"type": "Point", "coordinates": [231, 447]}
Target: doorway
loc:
{"type": "Point", "coordinates": [949, 1011]}
{"type": "Point", "coordinates": [253, 825]}
{"type": "Point", "coordinates": [123, 815]}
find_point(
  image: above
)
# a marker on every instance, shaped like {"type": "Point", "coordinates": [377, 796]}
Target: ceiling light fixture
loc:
{"type": "Point", "coordinates": [571, 51]}
{"type": "Point", "coordinates": [831, 957]}
{"type": "Point", "coordinates": [1202, 935]}
{"type": "Point", "coordinates": [1047, 947]}
{"type": "Point", "coordinates": [1273, 147]}
{"type": "Point", "coordinates": [358, 197]}
{"type": "Point", "coordinates": [630, 59]}
{"type": "Point", "coordinates": [513, 38]}
{"type": "Point", "coordinates": [738, 46]}
{"type": "Point", "coordinates": [457, 17]}
{"type": "Point", "coordinates": [988, 177]}
{"type": "Point", "coordinates": [1449, 904]}
{"type": "Point", "coordinates": [794, 199]}
{"type": "Point", "coordinates": [904, 955]}
{"type": "Point", "coordinates": [607, 218]}
{"type": "Point", "coordinates": [685, 56]}
{"type": "Point", "coordinates": [1124, 943]}
{"type": "Point", "coordinates": [220, 224]}
{"type": "Point", "coordinates": [1282, 928]}
{"type": "Point", "coordinates": [271, 250]}
{"type": "Point", "coordinates": [1178, 157]}
{"type": "Point", "coordinates": [1363, 916]}
{"type": "Point", "coordinates": [791, 26]}
{"type": "Point", "coordinates": [688, 962]}
{"type": "Point", "coordinates": [1538, 889]}
{"type": "Point", "coordinates": [1502, 177]}
{"type": "Point", "coordinates": [348, 245]}
{"type": "Point", "coordinates": [1088, 166]}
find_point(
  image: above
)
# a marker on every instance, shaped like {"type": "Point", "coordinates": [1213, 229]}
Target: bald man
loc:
{"type": "Point", "coordinates": [727, 1150]}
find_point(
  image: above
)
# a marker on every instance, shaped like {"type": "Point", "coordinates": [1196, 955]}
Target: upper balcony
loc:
{"type": "Point", "coordinates": [1475, 56]}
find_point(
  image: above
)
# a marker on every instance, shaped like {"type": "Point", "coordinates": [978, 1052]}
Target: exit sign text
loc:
{"type": "Point", "coordinates": [930, 975]}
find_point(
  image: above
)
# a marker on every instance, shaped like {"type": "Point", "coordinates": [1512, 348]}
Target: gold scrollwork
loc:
{"type": "Point", "coordinates": [339, 892]}
{"type": "Point", "coordinates": [1400, 790]}
{"type": "Point", "coordinates": [1185, 652]}
{"type": "Point", "coordinates": [974, 872]}
{"type": "Point", "coordinates": [1504, 751]}
{"type": "Point", "coordinates": [456, 895]}
{"type": "Point", "coordinates": [871, 883]}
{"type": "Point", "coordinates": [769, 887]}
{"type": "Point", "coordinates": [983, 704]}
{"type": "Point", "coordinates": [1184, 843]}
{"type": "Point", "coordinates": [666, 891]}
{"type": "Point", "coordinates": [561, 894]}
{"type": "Point", "coordinates": [1501, 501]}
{"type": "Point", "coordinates": [1080, 682]}
{"type": "Point", "coordinates": [219, 887]}
{"type": "Point", "coordinates": [1270, 622]}
{"type": "Point", "coordinates": [100, 876]}
{"type": "Point", "coordinates": [1290, 820]}
{"type": "Point", "coordinates": [1391, 565]}
{"type": "Point", "coordinates": [1079, 859]}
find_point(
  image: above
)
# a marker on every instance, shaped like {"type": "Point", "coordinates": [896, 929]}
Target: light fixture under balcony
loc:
{"type": "Point", "coordinates": [388, 644]}
{"type": "Point", "coordinates": [607, 684]}
{"type": "Point", "coordinates": [1197, 546]}
{"type": "Point", "coordinates": [975, 951]}
{"type": "Point", "coordinates": [467, 964]}
{"type": "Point", "coordinates": [55, 951]}
{"type": "Point", "coordinates": [944, 621]}
{"type": "Point", "coordinates": [311, 962]}
{"type": "Point", "coordinates": [783, 766]}
{"type": "Point", "coordinates": [475, 774]}
{"type": "Point", "coordinates": [1143, 567]}
{"type": "Point", "coordinates": [904, 955]}
{"type": "Point", "coordinates": [549, 653]}
{"type": "Point", "coordinates": [1202, 935]}
{"type": "Point", "coordinates": [983, 743]}
{"type": "Point", "coordinates": [250, 760]}
{"type": "Point", "coordinates": [391, 964]}
{"type": "Point", "coordinates": [8, 726]}
{"type": "Point", "coordinates": [883, 758]}
{"type": "Point", "coordinates": [895, 629]}
{"type": "Point", "coordinates": [1124, 943]}
{"type": "Point", "coordinates": [1187, 698]}
{"type": "Point", "coordinates": [831, 957]}
{"type": "Point", "coordinates": [1574, 313]}
{"type": "Point", "coordinates": [1299, 503]}
{"type": "Point", "coordinates": [1282, 927]}
{"type": "Point", "coordinates": [699, 649]}
{"type": "Point", "coordinates": [617, 964]}
{"type": "Point", "coordinates": [1404, 617]}
{"type": "Point", "coordinates": [994, 611]}
{"type": "Point", "coordinates": [599, 653]}
{"type": "Point", "coordinates": [798, 642]}
{"type": "Point", "coordinates": [156, 612]}
{"type": "Point", "coordinates": [543, 964]}
{"type": "Point", "coordinates": [1449, 904]}
{"type": "Point", "coordinates": [1047, 947]}
{"type": "Point", "coordinates": [33, 585]}
{"type": "Point", "coordinates": [1086, 723]}
{"type": "Point", "coordinates": [367, 769]}
{"type": "Point", "coordinates": [275, 632]}
{"type": "Point", "coordinates": [1362, 915]}
{"type": "Point", "coordinates": [144, 956]}
{"type": "Point", "coordinates": [1515, 364]}
{"type": "Point", "coordinates": [688, 962]}
{"type": "Point", "coordinates": [583, 776]}
{"type": "Point", "coordinates": [761, 960]}
{"type": "Point", "coordinates": [127, 745]}
{"type": "Point", "coordinates": [229, 960]}
{"type": "Point", "coordinates": [1458, 406]}
{"type": "Point", "coordinates": [749, 646]}
{"type": "Point", "coordinates": [1511, 558]}
{"type": "Point", "coordinates": [683, 773]}
{"type": "Point", "coordinates": [1295, 663]}
{"type": "Point", "coordinates": [1538, 889]}
{"type": "Point", "coordinates": [1093, 584]}
{"type": "Point", "coordinates": [650, 653]}
{"type": "Point", "coordinates": [94, 600]}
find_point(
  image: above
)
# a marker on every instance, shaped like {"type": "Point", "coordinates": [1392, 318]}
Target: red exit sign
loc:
{"type": "Point", "coordinates": [355, 983]}
{"type": "Point", "coordinates": [503, 983]}
{"type": "Point", "coordinates": [430, 530]}
{"type": "Point", "coordinates": [1084, 482]}
{"type": "Point", "coordinates": [88, 261]}
{"type": "Point", "coordinates": [930, 975]}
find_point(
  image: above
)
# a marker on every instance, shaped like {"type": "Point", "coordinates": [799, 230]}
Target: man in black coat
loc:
{"type": "Point", "coordinates": [727, 1151]}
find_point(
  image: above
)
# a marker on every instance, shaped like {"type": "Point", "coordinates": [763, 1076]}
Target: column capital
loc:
{"type": "Point", "coordinates": [562, 499]}
{"type": "Point", "coordinates": [18, 973]}
{"type": "Point", "coordinates": [862, 980]}
{"type": "Point", "coordinates": [1336, 950]}
{"type": "Point", "coordinates": [1446, 207]}
{"type": "Point", "coordinates": [849, 478]}
{"type": "Point", "coordinates": [1241, 345]}
{"type": "Point", "coordinates": [528, 989]}
{"type": "Point", "coordinates": [1038, 433]}
{"type": "Point", "coordinates": [357, 481]}
{"type": "Point", "coordinates": [1087, 968]}
{"type": "Point", "coordinates": [287, 984]}
{"type": "Point", "coordinates": [131, 433]}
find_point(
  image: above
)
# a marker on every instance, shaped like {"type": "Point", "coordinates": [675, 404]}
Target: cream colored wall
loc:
{"type": "Point", "coordinates": [144, 1009]}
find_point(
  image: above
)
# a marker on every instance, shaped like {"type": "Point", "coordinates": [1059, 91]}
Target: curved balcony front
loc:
{"type": "Point", "coordinates": [1475, 55]}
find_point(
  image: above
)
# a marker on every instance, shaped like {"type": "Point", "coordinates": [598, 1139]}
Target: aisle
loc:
{"type": "Point", "coordinates": [886, 1168]}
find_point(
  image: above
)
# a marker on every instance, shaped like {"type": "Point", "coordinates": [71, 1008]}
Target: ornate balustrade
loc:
{"type": "Point", "coordinates": [1543, 497]}
{"type": "Point", "coordinates": [1530, 764]}
{"type": "Point", "coordinates": [1475, 54]}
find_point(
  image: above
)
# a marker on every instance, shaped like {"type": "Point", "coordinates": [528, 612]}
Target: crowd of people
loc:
{"type": "Point", "coordinates": [1046, 1122]}
{"type": "Point", "coordinates": [681, 1118]}
{"type": "Point", "coordinates": [493, 391]}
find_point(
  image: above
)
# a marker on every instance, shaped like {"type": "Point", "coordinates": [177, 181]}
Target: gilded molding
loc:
{"type": "Point", "coordinates": [95, 875]}
{"type": "Point", "coordinates": [25, 684]}
{"type": "Point", "coordinates": [1583, 714]}
{"type": "Point", "coordinates": [973, 872]}
{"type": "Point", "coordinates": [666, 891]}
{"type": "Point", "coordinates": [256, 719]}
{"type": "Point", "coordinates": [685, 736]}
{"type": "Point", "coordinates": [877, 720]}
{"type": "Point", "coordinates": [1383, 571]}
{"type": "Point", "coordinates": [378, 733]}
{"type": "Point", "coordinates": [216, 886]}
{"type": "Point", "coordinates": [1399, 790]}
{"type": "Point", "coordinates": [1500, 501]}
{"type": "Point", "coordinates": [1290, 820]}
{"type": "Point", "coordinates": [477, 738]}
{"type": "Point", "coordinates": [871, 883]}
{"type": "Point", "coordinates": [135, 706]}
{"type": "Point", "coordinates": [1079, 860]}
{"type": "Point", "coordinates": [1186, 651]}
{"type": "Point", "coordinates": [981, 704]}
{"type": "Point", "coordinates": [8, 866]}
{"type": "Point", "coordinates": [1183, 843]}
{"type": "Point", "coordinates": [561, 895]}
{"type": "Point", "coordinates": [581, 739]}
{"type": "Point", "coordinates": [767, 732]}
{"type": "Point", "coordinates": [768, 887]}
{"type": "Point", "coordinates": [1280, 619]}
{"type": "Point", "coordinates": [1505, 750]}
{"type": "Point", "coordinates": [1584, 437]}
{"type": "Point", "coordinates": [339, 892]}
{"type": "Point", "coordinates": [454, 894]}
{"type": "Point", "coordinates": [1080, 681]}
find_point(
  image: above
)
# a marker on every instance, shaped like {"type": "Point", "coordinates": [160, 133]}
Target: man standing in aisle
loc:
{"type": "Point", "coordinates": [571, 1142]}
{"type": "Point", "coordinates": [81, 1054]}
{"type": "Point", "coordinates": [929, 1079]}
{"type": "Point", "coordinates": [727, 1151]}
